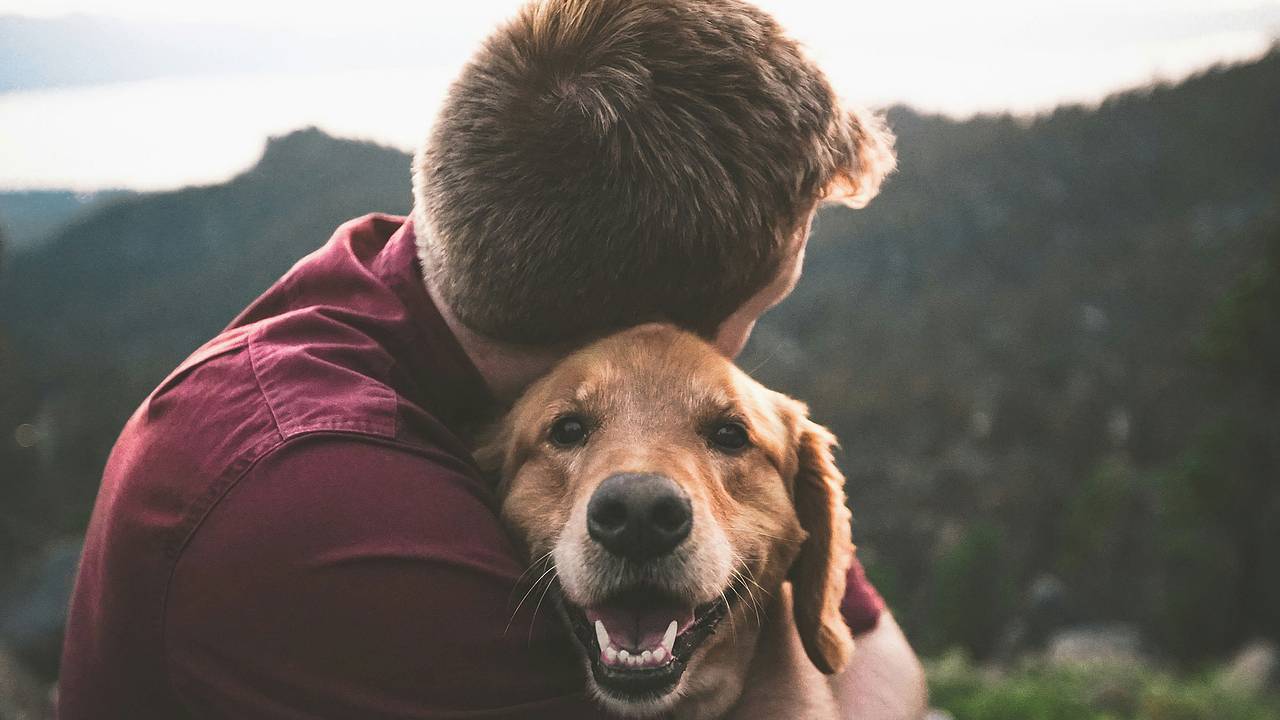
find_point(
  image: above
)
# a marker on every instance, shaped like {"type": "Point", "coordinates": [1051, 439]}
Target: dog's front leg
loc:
{"type": "Point", "coordinates": [782, 682]}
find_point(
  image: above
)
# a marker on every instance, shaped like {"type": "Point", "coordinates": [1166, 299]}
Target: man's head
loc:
{"type": "Point", "coordinates": [602, 163]}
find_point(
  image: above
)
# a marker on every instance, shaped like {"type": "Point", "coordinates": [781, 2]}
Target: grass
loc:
{"type": "Point", "coordinates": [1036, 692]}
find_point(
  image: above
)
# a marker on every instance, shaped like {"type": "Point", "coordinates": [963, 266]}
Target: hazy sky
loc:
{"type": "Point", "coordinates": [954, 57]}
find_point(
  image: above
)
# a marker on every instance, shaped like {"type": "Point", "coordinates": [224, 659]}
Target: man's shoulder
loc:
{"type": "Point", "coordinates": [245, 396]}
{"type": "Point", "coordinates": [287, 394]}
{"type": "Point", "coordinates": [260, 385]}
{"type": "Point", "coordinates": [322, 349]}
{"type": "Point", "coordinates": [316, 373]}
{"type": "Point", "coordinates": [345, 493]}
{"type": "Point", "coordinates": [345, 568]}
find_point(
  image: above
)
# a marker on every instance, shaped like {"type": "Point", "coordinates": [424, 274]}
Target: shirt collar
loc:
{"type": "Point", "coordinates": [439, 370]}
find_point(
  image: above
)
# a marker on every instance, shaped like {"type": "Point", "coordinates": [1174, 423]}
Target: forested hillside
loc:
{"type": "Point", "coordinates": [1018, 343]}
{"type": "Point", "coordinates": [95, 316]}
{"type": "Point", "coordinates": [1050, 349]}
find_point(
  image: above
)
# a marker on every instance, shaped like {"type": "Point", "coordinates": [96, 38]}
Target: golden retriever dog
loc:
{"type": "Point", "coordinates": [678, 505]}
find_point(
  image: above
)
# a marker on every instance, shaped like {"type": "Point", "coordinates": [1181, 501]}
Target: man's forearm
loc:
{"type": "Point", "coordinates": [884, 680]}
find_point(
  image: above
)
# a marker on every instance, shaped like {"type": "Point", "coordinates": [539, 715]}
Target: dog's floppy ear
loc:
{"type": "Point", "coordinates": [493, 447]}
{"type": "Point", "coordinates": [818, 573]}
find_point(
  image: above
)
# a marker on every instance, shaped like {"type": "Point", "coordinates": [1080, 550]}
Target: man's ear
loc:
{"type": "Point", "coordinates": [819, 571]}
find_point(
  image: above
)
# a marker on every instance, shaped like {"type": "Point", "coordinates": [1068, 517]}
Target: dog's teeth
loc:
{"type": "Point", "coordinates": [646, 657]}
{"type": "Point", "coordinates": [669, 640]}
{"type": "Point", "coordinates": [660, 654]}
{"type": "Point", "coordinates": [623, 655]}
{"type": "Point", "coordinates": [602, 635]}
{"type": "Point", "coordinates": [611, 655]}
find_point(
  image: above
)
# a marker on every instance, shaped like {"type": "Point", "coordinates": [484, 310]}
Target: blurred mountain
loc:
{"type": "Point", "coordinates": [91, 318]}
{"type": "Point", "coordinates": [146, 279]}
{"type": "Point", "coordinates": [1010, 342]}
{"type": "Point", "coordinates": [1039, 347]}
{"type": "Point", "coordinates": [30, 216]}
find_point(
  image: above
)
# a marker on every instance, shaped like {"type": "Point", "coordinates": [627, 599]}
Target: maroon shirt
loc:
{"type": "Point", "coordinates": [290, 526]}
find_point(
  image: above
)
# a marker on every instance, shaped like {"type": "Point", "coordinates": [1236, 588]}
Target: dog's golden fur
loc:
{"type": "Point", "coordinates": [764, 517]}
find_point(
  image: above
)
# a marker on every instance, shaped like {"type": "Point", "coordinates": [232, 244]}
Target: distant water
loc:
{"type": "Point", "coordinates": [162, 134]}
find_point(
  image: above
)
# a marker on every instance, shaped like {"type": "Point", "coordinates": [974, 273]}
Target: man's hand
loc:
{"type": "Point", "coordinates": [884, 680]}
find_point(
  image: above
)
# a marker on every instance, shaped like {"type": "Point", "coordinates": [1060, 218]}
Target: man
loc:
{"type": "Point", "coordinates": [291, 525]}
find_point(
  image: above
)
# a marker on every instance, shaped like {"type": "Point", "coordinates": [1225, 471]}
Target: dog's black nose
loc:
{"type": "Point", "coordinates": [639, 516]}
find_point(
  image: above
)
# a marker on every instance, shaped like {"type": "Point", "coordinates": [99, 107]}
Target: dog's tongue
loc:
{"type": "Point", "coordinates": [638, 621]}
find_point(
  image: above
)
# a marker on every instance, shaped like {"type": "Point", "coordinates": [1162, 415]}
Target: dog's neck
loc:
{"type": "Point", "coordinates": [766, 670]}
{"type": "Point", "coordinates": [726, 669]}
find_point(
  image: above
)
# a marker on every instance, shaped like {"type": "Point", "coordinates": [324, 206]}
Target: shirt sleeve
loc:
{"type": "Point", "coordinates": [344, 578]}
{"type": "Point", "coordinates": [862, 605]}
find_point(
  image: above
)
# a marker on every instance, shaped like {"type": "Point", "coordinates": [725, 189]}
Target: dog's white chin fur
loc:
{"type": "Point", "coordinates": [627, 708]}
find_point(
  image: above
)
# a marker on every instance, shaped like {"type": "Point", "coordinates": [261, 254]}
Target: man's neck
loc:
{"type": "Point", "coordinates": [507, 369]}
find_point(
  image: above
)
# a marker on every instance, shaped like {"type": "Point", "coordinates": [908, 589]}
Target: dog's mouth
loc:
{"type": "Point", "coordinates": [640, 640]}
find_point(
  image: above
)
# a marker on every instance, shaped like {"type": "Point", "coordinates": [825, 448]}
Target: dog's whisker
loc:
{"type": "Point", "coordinates": [733, 626]}
{"type": "Point", "coordinates": [533, 586]}
{"type": "Point", "coordinates": [755, 603]}
{"type": "Point", "coordinates": [788, 541]}
{"type": "Point", "coordinates": [748, 601]}
{"type": "Point", "coordinates": [532, 567]}
{"type": "Point", "coordinates": [750, 577]}
{"type": "Point", "coordinates": [533, 620]}
{"type": "Point", "coordinates": [529, 592]}
{"type": "Point", "coordinates": [545, 557]}
{"type": "Point", "coordinates": [765, 361]}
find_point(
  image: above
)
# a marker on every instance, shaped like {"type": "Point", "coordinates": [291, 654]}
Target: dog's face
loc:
{"type": "Point", "coordinates": [669, 491]}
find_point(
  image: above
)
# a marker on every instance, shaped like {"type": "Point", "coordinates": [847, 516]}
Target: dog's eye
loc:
{"type": "Point", "coordinates": [730, 436]}
{"type": "Point", "coordinates": [569, 431]}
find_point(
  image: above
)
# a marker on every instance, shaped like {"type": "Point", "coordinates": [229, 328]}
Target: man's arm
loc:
{"type": "Point", "coordinates": [344, 578]}
{"type": "Point", "coordinates": [884, 680]}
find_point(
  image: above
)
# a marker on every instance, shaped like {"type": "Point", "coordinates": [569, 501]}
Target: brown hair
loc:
{"type": "Point", "coordinates": [602, 163]}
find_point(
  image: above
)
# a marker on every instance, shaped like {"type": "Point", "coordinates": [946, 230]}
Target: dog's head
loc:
{"type": "Point", "coordinates": [670, 491]}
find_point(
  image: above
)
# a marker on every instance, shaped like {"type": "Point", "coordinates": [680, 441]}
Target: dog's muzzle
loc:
{"type": "Point", "coordinates": [640, 638]}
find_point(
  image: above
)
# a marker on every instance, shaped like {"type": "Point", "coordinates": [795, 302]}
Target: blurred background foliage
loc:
{"type": "Point", "coordinates": [1051, 349]}
{"type": "Point", "coordinates": [1101, 691]}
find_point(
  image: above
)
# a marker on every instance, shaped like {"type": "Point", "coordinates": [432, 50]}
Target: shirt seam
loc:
{"type": "Point", "coordinates": [388, 429]}
{"type": "Point", "coordinates": [250, 345]}
{"type": "Point", "coordinates": [218, 490]}
{"type": "Point", "coordinates": [195, 515]}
